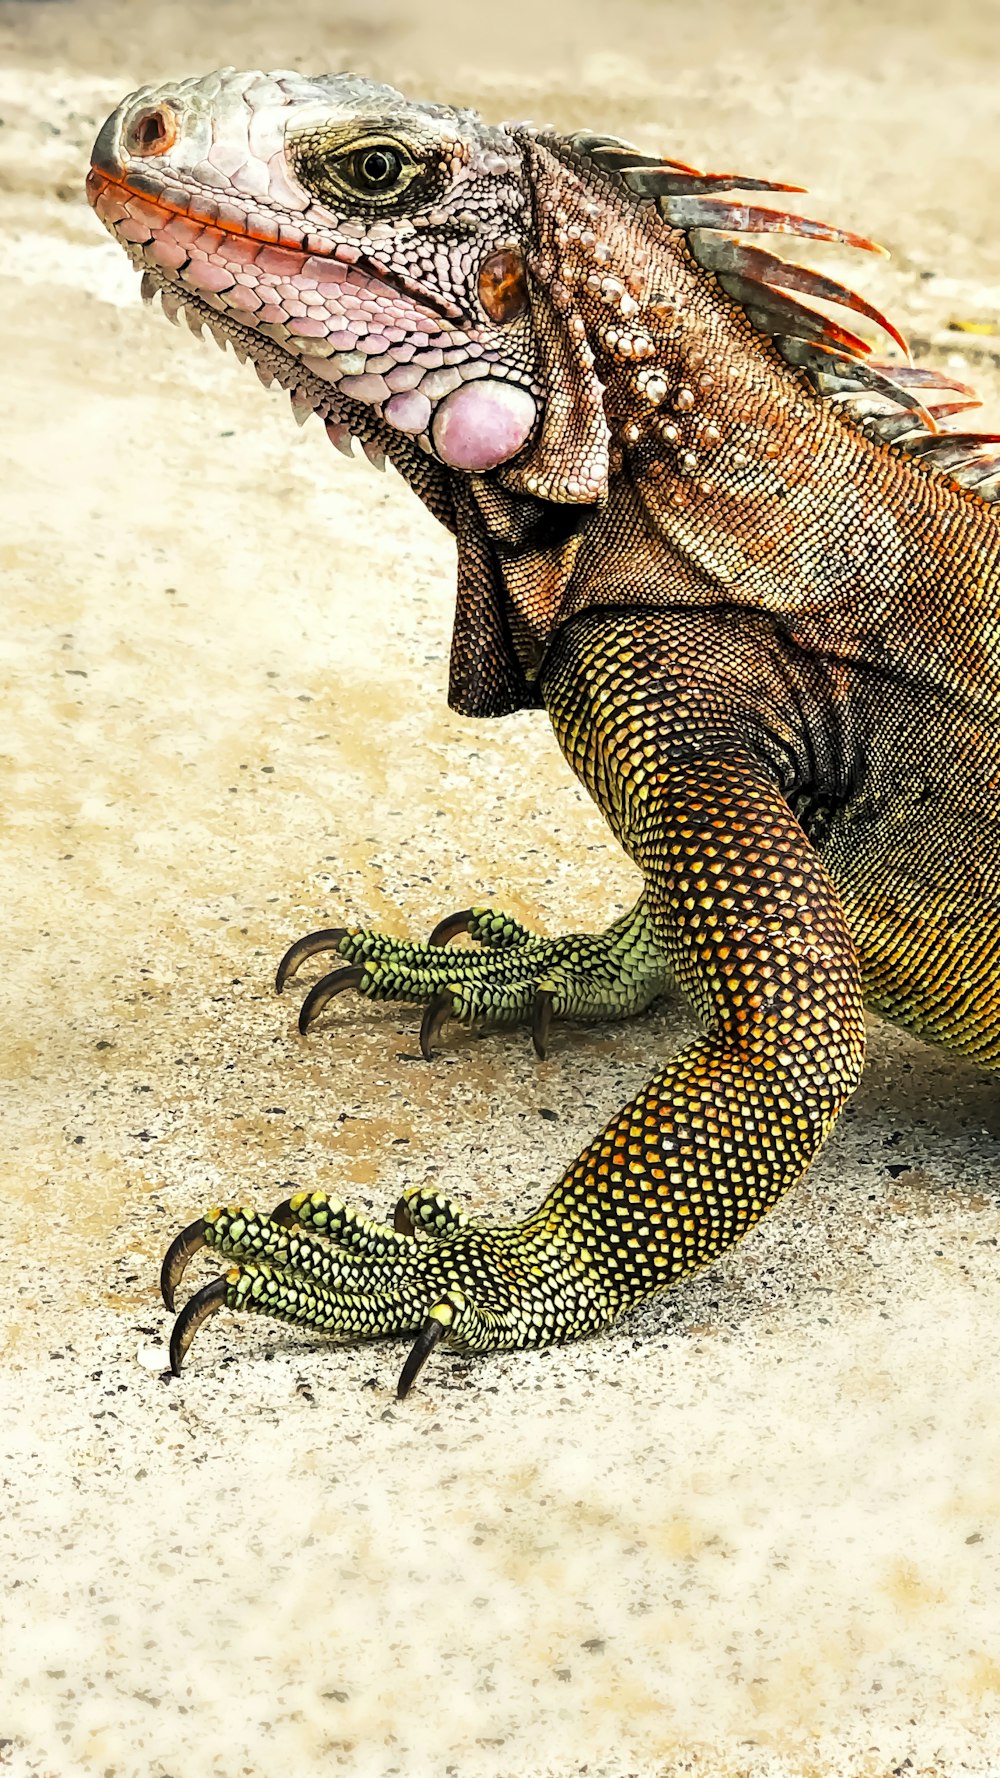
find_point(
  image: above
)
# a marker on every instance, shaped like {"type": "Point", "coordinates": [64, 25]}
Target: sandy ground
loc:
{"type": "Point", "coordinates": [755, 1531]}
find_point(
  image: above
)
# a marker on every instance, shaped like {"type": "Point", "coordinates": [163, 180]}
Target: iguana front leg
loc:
{"type": "Point", "coordinates": [750, 921]}
{"type": "Point", "coordinates": [512, 976]}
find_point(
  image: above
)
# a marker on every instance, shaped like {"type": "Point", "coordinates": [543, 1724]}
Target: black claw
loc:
{"type": "Point", "coordinates": [451, 926]}
{"type": "Point", "coordinates": [402, 1221]}
{"type": "Point", "coordinates": [204, 1303]}
{"type": "Point", "coordinates": [541, 1022]}
{"type": "Point", "coordinates": [175, 1260]}
{"type": "Point", "coordinates": [324, 991]}
{"type": "Point", "coordinates": [435, 1015]}
{"type": "Point", "coordinates": [432, 1331]}
{"type": "Point", "coordinates": [303, 948]}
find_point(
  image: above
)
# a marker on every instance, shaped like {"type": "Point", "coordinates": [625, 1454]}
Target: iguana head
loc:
{"type": "Point", "coordinates": [365, 251]}
{"type": "Point", "coordinates": [388, 263]}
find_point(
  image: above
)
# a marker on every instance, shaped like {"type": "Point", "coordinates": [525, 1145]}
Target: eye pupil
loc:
{"type": "Point", "coordinates": [380, 167]}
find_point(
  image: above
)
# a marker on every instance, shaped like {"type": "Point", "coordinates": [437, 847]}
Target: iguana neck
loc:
{"type": "Point", "coordinates": [675, 368]}
{"type": "Point", "coordinates": [722, 464]}
{"type": "Point", "coordinates": [649, 381]}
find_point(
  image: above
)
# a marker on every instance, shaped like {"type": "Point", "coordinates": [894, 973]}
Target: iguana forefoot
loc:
{"type": "Point", "coordinates": [513, 976]}
{"type": "Point", "coordinates": [678, 1175]}
{"type": "Point", "coordinates": [317, 1263]}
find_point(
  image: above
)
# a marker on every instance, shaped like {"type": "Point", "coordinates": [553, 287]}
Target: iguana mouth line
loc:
{"type": "Point", "coordinates": [437, 307]}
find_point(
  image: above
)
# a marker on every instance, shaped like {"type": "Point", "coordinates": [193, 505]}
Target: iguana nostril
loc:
{"type": "Point", "coordinates": [503, 289]}
{"type": "Point", "coordinates": [151, 132]}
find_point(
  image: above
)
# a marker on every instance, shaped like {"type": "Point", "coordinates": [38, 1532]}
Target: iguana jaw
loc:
{"type": "Point", "coordinates": [210, 188]}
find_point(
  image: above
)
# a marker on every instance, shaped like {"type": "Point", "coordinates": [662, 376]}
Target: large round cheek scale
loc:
{"type": "Point", "coordinates": [482, 424]}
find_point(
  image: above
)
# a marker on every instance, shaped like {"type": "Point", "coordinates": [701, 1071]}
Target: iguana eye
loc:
{"type": "Point", "coordinates": [378, 169]}
{"type": "Point", "coordinates": [374, 168]}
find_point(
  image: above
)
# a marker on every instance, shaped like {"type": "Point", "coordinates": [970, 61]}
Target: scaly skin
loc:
{"type": "Point", "coordinates": [718, 548]}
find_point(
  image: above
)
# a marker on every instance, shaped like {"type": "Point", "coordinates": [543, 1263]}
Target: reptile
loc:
{"type": "Point", "coordinates": [750, 571]}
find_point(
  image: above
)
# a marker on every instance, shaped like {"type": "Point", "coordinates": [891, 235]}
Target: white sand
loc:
{"type": "Point", "coordinates": [753, 1532]}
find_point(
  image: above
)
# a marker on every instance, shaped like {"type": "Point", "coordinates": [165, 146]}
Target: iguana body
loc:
{"type": "Point", "coordinates": [754, 587]}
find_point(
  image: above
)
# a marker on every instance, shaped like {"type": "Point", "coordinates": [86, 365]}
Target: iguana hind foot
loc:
{"type": "Point", "coordinates": [512, 976]}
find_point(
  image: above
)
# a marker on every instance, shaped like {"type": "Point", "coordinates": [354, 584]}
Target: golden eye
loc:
{"type": "Point", "coordinates": [374, 170]}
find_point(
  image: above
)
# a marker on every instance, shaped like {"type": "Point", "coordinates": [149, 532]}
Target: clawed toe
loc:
{"type": "Point", "coordinates": [435, 1016]}
{"type": "Point", "coordinates": [423, 1207]}
{"type": "Point", "coordinates": [175, 1261]}
{"type": "Point", "coordinates": [429, 1336]}
{"type": "Point", "coordinates": [541, 1021]}
{"type": "Point", "coordinates": [205, 1302]}
{"type": "Point", "coordinates": [215, 1296]}
{"type": "Point", "coordinates": [319, 996]}
{"type": "Point", "coordinates": [317, 1263]}
{"type": "Point", "coordinates": [508, 976]}
{"type": "Point", "coordinates": [452, 925]}
{"type": "Point", "coordinates": [310, 946]}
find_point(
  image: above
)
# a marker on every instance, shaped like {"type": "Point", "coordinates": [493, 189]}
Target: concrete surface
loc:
{"type": "Point", "coordinates": [754, 1531]}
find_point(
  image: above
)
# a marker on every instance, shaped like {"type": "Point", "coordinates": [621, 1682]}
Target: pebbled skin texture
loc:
{"type": "Point", "coordinates": [767, 642]}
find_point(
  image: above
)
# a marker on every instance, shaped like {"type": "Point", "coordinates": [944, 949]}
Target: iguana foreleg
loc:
{"type": "Point", "coordinates": [512, 976]}
{"type": "Point", "coordinates": [742, 908]}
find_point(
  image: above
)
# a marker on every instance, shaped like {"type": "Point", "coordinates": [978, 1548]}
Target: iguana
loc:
{"type": "Point", "coordinates": [749, 576]}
